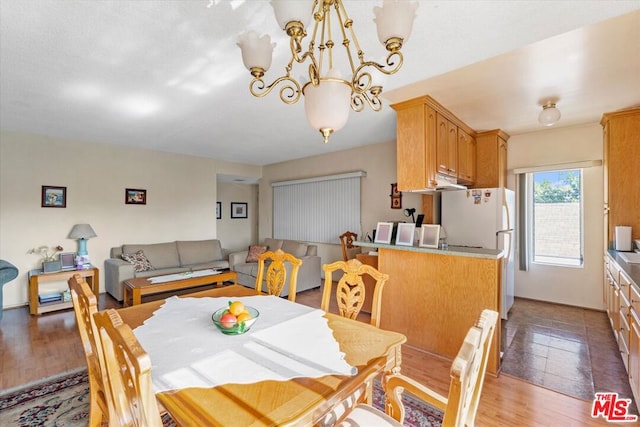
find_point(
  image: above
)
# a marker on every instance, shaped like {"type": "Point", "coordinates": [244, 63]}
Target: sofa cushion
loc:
{"type": "Point", "coordinates": [254, 251]}
{"type": "Point", "coordinates": [250, 269]}
{"type": "Point", "coordinates": [199, 251]}
{"type": "Point", "coordinates": [273, 244]}
{"type": "Point", "coordinates": [296, 249]}
{"type": "Point", "coordinates": [161, 255]}
{"type": "Point", "coordinates": [139, 261]}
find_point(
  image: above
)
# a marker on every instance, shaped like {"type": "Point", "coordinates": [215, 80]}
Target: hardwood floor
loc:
{"type": "Point", "coordinates": [34, 347]}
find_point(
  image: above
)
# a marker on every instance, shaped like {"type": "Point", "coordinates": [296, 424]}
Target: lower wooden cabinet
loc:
{"type": "Point", "coordinates": [622, 300]}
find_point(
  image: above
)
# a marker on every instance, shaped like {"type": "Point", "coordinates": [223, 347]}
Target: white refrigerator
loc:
{"type": "Point", "coordinates": [483, 218]}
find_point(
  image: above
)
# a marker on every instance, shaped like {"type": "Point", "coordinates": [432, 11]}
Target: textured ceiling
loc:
{"type": "Point", "coordinates": [167, 75]}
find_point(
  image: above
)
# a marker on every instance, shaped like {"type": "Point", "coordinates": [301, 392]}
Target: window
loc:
{"type": "Point", "coordinates": [554, 231]}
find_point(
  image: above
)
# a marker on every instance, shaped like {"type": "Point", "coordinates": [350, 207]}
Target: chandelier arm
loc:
{"type": "Point", "coordinates": [289, 93]}
{"type": "Point", "coordinates": [358, 101]}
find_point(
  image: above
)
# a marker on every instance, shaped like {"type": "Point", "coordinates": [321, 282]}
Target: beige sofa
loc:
{"type": "Point", "coordinates": [166, 258]}
{"type": "Point", "coordinates": [308, 274]}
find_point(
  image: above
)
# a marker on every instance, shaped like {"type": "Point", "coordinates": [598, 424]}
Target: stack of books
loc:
{"type": "Point", "coordinates": [45, 298]}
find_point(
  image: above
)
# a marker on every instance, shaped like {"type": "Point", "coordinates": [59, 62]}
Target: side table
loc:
{"type": "Point", "coordinates": [92, 275]}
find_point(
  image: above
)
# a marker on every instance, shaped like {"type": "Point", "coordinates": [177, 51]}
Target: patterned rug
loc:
{"type": "Point", "coordinates": [63, 401]}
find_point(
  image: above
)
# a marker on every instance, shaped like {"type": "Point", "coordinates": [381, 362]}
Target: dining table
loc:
{"type": "Point", "coordinates": [296, 401]}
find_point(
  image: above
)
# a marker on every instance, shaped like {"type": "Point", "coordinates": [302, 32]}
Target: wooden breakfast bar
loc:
{"type": "Point", "coordinates": [434, 296]}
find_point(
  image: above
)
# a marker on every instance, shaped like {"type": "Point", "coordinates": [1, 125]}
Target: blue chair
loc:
{"type": "Point", "coordinates": [8, 272]}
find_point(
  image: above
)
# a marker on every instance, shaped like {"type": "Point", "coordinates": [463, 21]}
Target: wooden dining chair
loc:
{"type": "Point", "coordinates": [85, 306]}
{"type": "Point", "coordinates": [350, 290]}
{"type": "Point", "coordinates": [349, 251]}
{"type": "Point", "coordinates": [129, 390]}
{"type": "Point", "coordinates": [273, 268]}
{"type": "Point", "coordinates": [467, 377]}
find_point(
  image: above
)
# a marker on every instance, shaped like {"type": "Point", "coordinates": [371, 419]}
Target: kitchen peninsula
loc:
{"type": "Point", "coordinates": [434, 296]}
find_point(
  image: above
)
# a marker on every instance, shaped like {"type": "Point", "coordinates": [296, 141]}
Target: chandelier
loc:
{"type": "Point", "coordinates": [328, 96]}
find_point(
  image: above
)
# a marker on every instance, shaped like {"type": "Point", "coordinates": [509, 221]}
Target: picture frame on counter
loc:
{"type": "Point", "coordinates": [429, 235]}
{"type": "Point", "coordinates": [384, 232]}
{"type": "Point", "coordinates": [405, 233]}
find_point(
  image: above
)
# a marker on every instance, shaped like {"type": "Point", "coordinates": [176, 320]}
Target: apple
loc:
{"type": "Point", "coordinates": [228, 321]}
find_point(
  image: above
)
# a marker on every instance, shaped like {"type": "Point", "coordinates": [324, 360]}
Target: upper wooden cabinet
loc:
{"type": "Point", "coordinates": [428, 143]}
{"type": "Point", "coordinates": [491, 159]}
{"type": "Point", "coordinates": [466, 158]}
{"type": "Point", "coordinates": [621, 174]}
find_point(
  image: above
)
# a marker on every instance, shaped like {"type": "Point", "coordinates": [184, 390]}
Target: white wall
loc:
{"type": "Point", "coordinates": [574, 286]}
{"type": "Point", "coordinates": [181, 196]}
{"type": "Point", "coordinates": [236, 234]}
{"type": "Point", "coordinates": [378, 161]}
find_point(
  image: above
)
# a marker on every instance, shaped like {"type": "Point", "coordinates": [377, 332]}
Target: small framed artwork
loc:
{"type": "Point", "coordinates": [218, 210]}
{"type": "Point", "coordinates": [54, 197]}
{"type": "Point", "coordinates": [429, 235]}
{"type": "Point", "coordinates": [384, 231]}
{"type": "Point", "coordinates": [68, 260]}
{"type": "Point", "coordinates": [238, 210]}
{"type": "Point", "coordinates": [396, 197]}
{"type": "Point", "coordinates": [133, 196]}
{"type": "Point", "coordinates": [405, 233]}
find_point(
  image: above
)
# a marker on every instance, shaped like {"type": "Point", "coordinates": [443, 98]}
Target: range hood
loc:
{"type": "Point", "coordinates": [443, 183]}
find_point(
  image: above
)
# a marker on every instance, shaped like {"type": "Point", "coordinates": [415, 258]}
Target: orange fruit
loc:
{"type": "Point", "coordinates": [244, 316]}
{"type": "Point", "coordinates": [236, 308]}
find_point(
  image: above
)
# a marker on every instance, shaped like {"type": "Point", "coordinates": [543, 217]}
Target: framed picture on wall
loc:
{"type": "Point", "coordinates": [404, 235]}
{"type": "Point", "coordinates": [133, 196]}
{"type": "Point", "coordinates": [218, 210]}
{"type": "Point", "coordinates": [384, 231]}
{"type": "Point", "coordinates": [238, 210]}
{"type": "Point", "coordinates": [54, 197]}
{"type": "Point", "coordinates": [429, 235]}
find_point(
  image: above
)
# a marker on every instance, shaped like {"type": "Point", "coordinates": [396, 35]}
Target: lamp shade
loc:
{"type": "Point", "coordinates": [291, 10]}
{"type": "Point", "coordinates": [395, 19]}
{"type": "Point", "coordinates": [549, 114]}
{"type": "Point", "coordinates": [327, 105]}
{"type": "Point", "coordinates": [82, 231]}
{"type": "Point", "coordinates": [256, 51]}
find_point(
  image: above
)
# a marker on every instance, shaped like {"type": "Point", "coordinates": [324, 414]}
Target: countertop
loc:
{"type": "Point", "coordinates": [451, 250]}
{"type": "Point", "coordinates": [631, 269]}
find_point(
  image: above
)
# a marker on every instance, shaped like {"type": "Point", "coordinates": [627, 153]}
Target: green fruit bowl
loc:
{"type": "Point", "coordinates": [234, 327]}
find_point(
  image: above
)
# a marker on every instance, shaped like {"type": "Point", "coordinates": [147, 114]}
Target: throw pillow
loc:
{"type": "Point", "coordinates": [139, 260]}
{"type": "Point", "coordinates": [254, 251]}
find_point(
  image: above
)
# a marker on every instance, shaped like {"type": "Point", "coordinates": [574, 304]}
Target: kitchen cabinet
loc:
{"type": "Point", "coordinates": [491, 159]}
{"type": "Point", "coordinates": [446, 146]}
{"type": "Point", "coordinates": [466, 158]}
{"type": "Point", "coordinates": [622, 300]}
{"type": "Point", "coordinates": [427, 144]}
{"type": "Point", "coordinates": [621, 176]}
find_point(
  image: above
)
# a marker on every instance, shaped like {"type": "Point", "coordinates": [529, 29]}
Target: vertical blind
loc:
{"type": "Point", "coordinates": [317, 209]}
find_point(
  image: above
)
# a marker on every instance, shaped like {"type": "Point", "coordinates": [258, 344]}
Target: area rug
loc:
{"type": "Point", "coordinates": [63, 401]}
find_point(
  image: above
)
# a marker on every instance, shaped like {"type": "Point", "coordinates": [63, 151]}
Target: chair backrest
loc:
{"type": "Point", "coordinates": [85, 306]}
{"type": "Point", "coordinates": [131, 399]}
{"type": "Point", "coordinates": [468, 370]}
{"type": "Point", "coordinates": [274, 272]}
{"type": "Point", "coordinates": [350, 290]}
{"type": "Point", "coordinates": [346, 241]}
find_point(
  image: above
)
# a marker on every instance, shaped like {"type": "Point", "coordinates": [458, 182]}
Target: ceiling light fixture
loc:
{"type": "Point", "coordinates": [549, 114]}
{"type": "Point", "coordinates": [328, 95]}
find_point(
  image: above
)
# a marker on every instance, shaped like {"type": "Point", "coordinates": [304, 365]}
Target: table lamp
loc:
{"type": "Point", "coordinates": [82, 232]}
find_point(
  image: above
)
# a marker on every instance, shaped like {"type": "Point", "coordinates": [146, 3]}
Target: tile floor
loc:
{"type": "Point", "coordinates": [563, 348]}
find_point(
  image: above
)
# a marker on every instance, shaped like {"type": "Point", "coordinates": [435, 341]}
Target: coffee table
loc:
{"type": "Point", "coordinates": [134, 289]}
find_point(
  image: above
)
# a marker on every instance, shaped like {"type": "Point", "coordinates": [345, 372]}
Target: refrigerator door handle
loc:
{"type": "Point", "coordinates": [508, 230]}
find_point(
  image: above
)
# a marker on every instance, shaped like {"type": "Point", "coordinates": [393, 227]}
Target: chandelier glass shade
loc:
{"type": "Point", "coordinates": [549, 114]}
{"type": "Point", "coordinates": [329, 96]}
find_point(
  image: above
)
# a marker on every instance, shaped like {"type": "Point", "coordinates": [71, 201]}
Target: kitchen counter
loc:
{"type": "Point", "coordinates": [434, 296]}
{"type": "Point", "coordinates": [451, 250]}
{"type": "Point", "coordinates": [631, 269]}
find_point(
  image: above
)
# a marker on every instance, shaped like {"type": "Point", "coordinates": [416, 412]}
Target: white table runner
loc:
{"type": "Point", "coordinates": [288, 341]}
{"type": "Point", "coordinates": [182, 276]}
